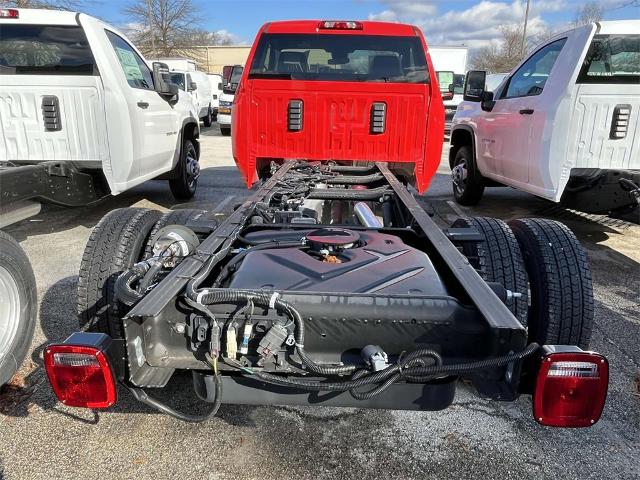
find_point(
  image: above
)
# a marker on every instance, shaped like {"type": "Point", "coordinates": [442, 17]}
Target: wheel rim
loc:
{"type": "Point", "coordinates": [9, 311]}
{"type": "Point", "coordinates": [459, 175]}
{"type": "Point", "coordinates": [193, 167]}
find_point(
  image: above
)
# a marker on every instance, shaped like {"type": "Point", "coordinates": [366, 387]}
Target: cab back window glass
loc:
{"type": "Point", "coordinates": [45, 50]}
{"type": "Point", "coordinates": [330, 57]}
{"type": "Point", "coordinates": [612, 59]}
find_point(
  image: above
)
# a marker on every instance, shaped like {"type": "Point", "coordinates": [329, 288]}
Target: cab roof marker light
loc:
{"type": "Point", "coordinates": [340, 25]}
{"type": "Point", "coordinates": [9, 13]}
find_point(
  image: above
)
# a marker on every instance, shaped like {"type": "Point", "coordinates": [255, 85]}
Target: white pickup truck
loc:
{"type": "Point", "coordinates": [564, 125]}
{"type": "Point", "coordinates": [82, 115]}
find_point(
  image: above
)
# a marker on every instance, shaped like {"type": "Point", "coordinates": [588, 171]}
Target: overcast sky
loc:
{"type": "Point", "coordinates": [454, 22]}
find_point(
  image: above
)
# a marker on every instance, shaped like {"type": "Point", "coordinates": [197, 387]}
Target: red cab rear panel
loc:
{"type": "Point", "coordinates": [337, 76]}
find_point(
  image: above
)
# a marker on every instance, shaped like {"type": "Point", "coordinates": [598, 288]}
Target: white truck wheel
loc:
{"type": "Point", "coordinates": [18, 308]}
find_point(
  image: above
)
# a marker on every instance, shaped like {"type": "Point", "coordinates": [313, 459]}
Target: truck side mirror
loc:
{"type": "Point", "coordinates": [193, 86]}
{"type": "Point", "coordinates": [162, 80]}
{"type": "Point", "coordinates": [451, 88]}
{"type": "Point", "coordinates": [474, 85]}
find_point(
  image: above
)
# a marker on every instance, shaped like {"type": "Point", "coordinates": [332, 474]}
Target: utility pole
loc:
{"type": "Point", "coordinates": [153, 38]}
{"type": "Point", "coordinates": [524, 30]}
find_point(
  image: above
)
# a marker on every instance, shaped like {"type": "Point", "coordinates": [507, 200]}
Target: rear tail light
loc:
{"type": "Point", "coordinates": [447, 96]}
{"type": "Point", "coordinates": [81, 375]}
{"type": "Point", "coordinates": [571, 389]}
{"type": "Point", "coordinates": [9, 13]}
{"type": "Point", "coordinates": [340, 25]}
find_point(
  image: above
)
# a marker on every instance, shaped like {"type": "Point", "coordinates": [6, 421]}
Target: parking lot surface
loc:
{"type": "Point", "coordinates": [41, 439]}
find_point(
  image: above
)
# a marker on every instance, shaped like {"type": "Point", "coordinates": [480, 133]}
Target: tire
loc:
{"type": "Point", "coordinates": [225, 131]}
{"type": "Point", "coordinates": [115, 245]}
{"type": "Point", "coordinates": [18, 306]}
{"type": "Point", "coordinates": [467, 182]}
{"type": "Point", "coordinates": [174, 217]}
{"type": "Point", "coordinates": [498, 259]}
{"type": "Point", "coordinates": [561, 310]}
{"type": "Point", "coordinates": [184, 186]}
{"type": "Point", "coordinates": [208, 120]}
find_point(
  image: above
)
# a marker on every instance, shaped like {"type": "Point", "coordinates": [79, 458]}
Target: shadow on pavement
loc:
{"type": "Point", "coordinates": [214, 185]}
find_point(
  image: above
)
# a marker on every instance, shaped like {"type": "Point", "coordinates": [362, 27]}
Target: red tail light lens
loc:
{"type": "Point", "coordinates": [571, 389]}
{"type": "Point", "coordinates": [9, 13]}
{"type": "Point", "coordinates": [340, 25]}
{"type": "Point", "coordinates": [80, 376]}
{"type": "Point", "coordinates": [447, 96]}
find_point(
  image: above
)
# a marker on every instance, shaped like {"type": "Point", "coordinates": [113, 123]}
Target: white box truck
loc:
{"type": "Point", "coordinates": [450, 64]}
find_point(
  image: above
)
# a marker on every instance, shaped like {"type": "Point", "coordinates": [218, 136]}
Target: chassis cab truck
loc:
{"type": "Point", "coordinates": [330, 285]}
{"type": "Point", "coordinates": [564, 125]}
{"type": "Point", "coordinates": [82, 114]}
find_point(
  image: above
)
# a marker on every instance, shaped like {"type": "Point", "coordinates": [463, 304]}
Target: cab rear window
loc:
{"type": "Point", "coordinates": [351, 58]}
{"type": "Point", "coordinates": [612, 59]}
{"type": "Point", "coordinates": [45, 50]}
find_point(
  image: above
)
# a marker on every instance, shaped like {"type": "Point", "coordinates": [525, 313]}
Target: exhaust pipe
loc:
{"type": "Point", "coordinates": [366, 215]}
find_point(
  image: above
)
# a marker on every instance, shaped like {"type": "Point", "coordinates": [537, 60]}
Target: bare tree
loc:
{"type": "Point", "coordinates": [174, 25]}
{"type": "Point", "coordinates": [588, 13]}
{"type": "Point", "coordinates": [503, 56]}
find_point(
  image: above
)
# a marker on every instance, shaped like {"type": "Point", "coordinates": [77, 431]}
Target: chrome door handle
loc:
{"type": "Point", "coordinates": [143, 104]}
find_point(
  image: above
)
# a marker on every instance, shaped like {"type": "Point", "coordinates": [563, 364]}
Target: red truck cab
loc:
{"type": "Point", "coordinates": [339, 90]}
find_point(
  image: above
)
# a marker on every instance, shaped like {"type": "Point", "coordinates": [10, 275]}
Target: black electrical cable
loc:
{"type": "Point", "coordinates": [212, 296]}
{"type": "Point", "coordinates": [415, 374]}
{"type": "Point", "coordinates": [143, 397]}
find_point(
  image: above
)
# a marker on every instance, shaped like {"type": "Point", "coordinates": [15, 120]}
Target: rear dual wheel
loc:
{"type": "Point", "coordinates": [121, 239]}
{"type": "Point", "coordinates": [117, 243]}
{"type": "Point", "coordinates": [544, 262]}
{"type": "Point", "coordinates": [562, 307]}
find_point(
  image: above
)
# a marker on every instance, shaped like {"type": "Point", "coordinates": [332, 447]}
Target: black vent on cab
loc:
{"type": "Point", "coordinates": [51, 113]}
{"type": "Point", "coordinates": [620, 122]}
{"type": "Point", "coordinates": [378, 117]}
{"type": "Point", "coordinates": [294, 120]}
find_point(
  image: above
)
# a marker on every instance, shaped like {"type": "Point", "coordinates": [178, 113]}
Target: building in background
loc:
{"type": "Point", "coordinates": [212, 58]}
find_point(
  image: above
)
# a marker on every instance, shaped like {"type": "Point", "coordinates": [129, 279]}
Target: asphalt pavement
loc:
{"type": "Point", "coordinates": [474, 438]}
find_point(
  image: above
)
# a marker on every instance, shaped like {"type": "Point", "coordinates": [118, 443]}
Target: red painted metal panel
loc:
{"type": "Point", "coordinates": [336, 119]}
